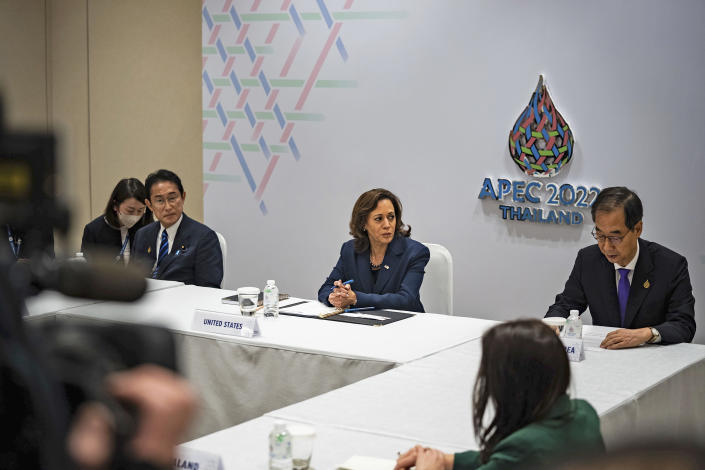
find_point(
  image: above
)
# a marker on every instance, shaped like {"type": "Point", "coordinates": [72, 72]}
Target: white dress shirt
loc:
{"type": "Point", "coordinates": [123, 235]}
{"type": "Point", "coordinates": [171, 232]}
{"type": "Point", "coordinates": [630, 266]}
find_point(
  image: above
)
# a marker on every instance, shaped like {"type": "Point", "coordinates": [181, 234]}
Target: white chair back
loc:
{"type": "Point", "coordinates": [224, 250]}
{"type": "Point", "coordinates": [437, 287]}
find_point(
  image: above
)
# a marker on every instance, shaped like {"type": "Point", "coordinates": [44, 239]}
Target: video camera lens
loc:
{"type": "Point", "coordinates": [81, 355]}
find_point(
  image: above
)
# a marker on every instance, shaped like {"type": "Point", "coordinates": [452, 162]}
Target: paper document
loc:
{"type": "Point", "coordinates": [308, 309]}
{"type": "Point", "coordinates": [358, 462]}
{"type": "Point", "coordinates": [592, 340]}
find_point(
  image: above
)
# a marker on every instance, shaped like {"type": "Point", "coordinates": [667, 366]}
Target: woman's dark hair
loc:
{"type": "Point", "coordinates": [524, 370]}
{"type": "Point", "coordinates": [162, 175]}
{"type": "Point", "coordinates": [618, 197]}
{"type": "Point", "coordinates": [125, 189]}
{"type": "Point", "coordinates": [364, 205]}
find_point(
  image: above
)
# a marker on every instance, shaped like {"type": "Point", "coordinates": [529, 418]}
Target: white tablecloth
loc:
{"type": "Point", "coordinates": [398, 342]}
{"type": "Point", "coordinates": [637, 392]}
{"type": "Point", "coordinates": [426, 399]}
{"type": "Point", "coordinates": [246, 446]}
{"type": "Point", "coordinates": [293, 359]}
{"type": "Point", "coordinates": [50, 302]}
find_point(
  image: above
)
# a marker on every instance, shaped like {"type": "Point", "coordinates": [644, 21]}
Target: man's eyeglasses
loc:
{"type": "Point", "coordinates": [160, 202]}
{"type": "Point", "coordinates": [601, 238]}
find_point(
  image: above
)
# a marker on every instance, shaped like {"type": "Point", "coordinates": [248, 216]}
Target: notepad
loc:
{"type": "Point", "coordinates": [306, 309]}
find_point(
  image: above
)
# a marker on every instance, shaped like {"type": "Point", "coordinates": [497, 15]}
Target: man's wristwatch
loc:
{"type": "Point", "coordinates": [655, 336]}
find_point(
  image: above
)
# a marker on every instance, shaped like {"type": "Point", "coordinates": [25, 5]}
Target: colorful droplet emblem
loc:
{"type": "Point", "coordinates": [541, 142]}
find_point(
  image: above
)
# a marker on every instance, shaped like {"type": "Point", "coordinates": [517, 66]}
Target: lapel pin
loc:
{"type": "Point", "coordinates": [149, 250]}
{"type": "Point", "coordinates": [647, 284]}
{"type": "Point", "coordinates": [183, 247]}
{"type": "Point", "coordinates": [386, 266]}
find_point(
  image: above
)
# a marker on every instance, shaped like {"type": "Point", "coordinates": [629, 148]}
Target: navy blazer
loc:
{"type": "Point", "coordinates": [660, 295]}
{"type": "Point", "coordinates": [195, 256]}
{"type": "Point", "coordinates": [398, 281]}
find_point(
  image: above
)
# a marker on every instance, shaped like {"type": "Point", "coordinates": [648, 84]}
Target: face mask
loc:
{"type": "Point", "coordinates": [128, 220]}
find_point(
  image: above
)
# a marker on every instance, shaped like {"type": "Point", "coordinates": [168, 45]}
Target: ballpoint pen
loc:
{"type": "Point", "coordinates": [358, 309]}
{"type": "Point", "coordinates": [345, 283]}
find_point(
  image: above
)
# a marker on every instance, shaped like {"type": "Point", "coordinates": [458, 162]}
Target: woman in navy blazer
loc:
{"type": "Point", "coordinates": [386, 266]}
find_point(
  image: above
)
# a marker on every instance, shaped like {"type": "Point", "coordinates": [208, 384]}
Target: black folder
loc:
{"type": "Point", "coordinates": [391, 315]}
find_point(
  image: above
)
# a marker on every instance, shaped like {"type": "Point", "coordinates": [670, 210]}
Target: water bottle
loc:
{"type": "Point", "coordinates": [280, 448]}
{"type": "Point", "coordinates": [574, 325]}
{"type": "Point", "coordinates": [271, 299]}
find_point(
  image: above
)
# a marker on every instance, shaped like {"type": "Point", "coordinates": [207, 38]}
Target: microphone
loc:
{"type": "Point", "coordinates": [100, 280]}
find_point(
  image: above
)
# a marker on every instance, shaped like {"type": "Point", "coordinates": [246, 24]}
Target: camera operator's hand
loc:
{"type": "Point", "coordinates": [90, 440]}
{"type": "Point", "coordinates": [166, 404]}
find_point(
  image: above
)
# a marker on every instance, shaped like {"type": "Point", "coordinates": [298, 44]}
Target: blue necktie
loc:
{"type": "Point", "coordinates": [623, 292]}
{"type": "Point", "coordinates": [163, 250]}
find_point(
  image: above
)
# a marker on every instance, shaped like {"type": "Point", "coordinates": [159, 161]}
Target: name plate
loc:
{"type": "Point", "coordinates": [225, 323]}
{"type": "Point", "coordinates": [574, 348]}
{"type": "Point", "coordinates": [193, 459]}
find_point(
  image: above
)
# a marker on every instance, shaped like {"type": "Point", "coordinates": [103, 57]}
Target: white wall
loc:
{"type": "Point", "coordinates": [437, 92]}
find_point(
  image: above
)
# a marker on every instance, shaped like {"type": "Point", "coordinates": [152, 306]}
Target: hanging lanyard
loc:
{"type": "Point", "coordinates": [122, 250]}
{"type": "Point", "coordinates": [124, 244]}
{"type": "Point", "coordinates": [14, 244]}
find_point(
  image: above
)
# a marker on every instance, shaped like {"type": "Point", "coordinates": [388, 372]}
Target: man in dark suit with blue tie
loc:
{"type": "Point", "coordinates": [640, 286]}
{"type": "Point", "coordinates": [176, 247]}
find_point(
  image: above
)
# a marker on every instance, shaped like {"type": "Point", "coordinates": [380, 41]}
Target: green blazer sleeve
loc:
{"type": "Point", "coordinates": [571, 425]}
{"type": "Point", "coordinates": [465, 460]}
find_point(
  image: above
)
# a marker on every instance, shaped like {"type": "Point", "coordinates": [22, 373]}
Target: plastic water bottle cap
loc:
{"type": "Point", "coordinates": [270, 281]}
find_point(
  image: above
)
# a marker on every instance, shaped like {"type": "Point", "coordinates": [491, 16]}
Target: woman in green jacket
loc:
{"type": "Point", "coordinates": [524, 374]}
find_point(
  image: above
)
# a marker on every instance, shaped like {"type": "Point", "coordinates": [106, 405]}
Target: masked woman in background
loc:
{"type": "Point", "coordinates": [112, 233]}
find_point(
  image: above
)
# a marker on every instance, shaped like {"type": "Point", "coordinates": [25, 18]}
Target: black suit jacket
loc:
{"type": "Point", "coordinates": [101, 238]}
{"type": "Point", "coordinates": [660, 295]}
{"type": "Point", "coordinates": [398, 282]}
{"type": "Point", "coordinates": [195, 256]}
{"type": "Point", "coordinates": [39, 239]}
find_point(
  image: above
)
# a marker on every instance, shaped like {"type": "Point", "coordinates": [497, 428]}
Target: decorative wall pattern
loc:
{"type": "Point", "coordinates": [252, 104]}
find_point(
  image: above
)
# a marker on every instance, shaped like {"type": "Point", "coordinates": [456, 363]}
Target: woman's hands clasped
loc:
{"type": "Point", "coordinates": [342, 296]}
{"type": "Point", "coordinates": [424, 458]}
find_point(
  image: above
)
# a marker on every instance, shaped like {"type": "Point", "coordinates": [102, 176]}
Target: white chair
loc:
{"type": "Point", "coordinates": [437, 287]}
{"type": "Point", "coordinates": [224, 250]}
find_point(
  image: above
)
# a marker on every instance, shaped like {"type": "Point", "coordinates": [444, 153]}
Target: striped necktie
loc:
{"type": "Point", "coordinates": [163, 251]}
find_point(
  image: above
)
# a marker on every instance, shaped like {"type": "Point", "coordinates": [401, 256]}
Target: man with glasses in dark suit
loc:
{"type": "Point", "coordinates": [176, 247]}
{"type": "Point", "coordinates": [628, 282]}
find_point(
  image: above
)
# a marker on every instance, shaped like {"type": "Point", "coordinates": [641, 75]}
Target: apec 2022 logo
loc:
{"type": "Point", "coordinates": [541, 144]}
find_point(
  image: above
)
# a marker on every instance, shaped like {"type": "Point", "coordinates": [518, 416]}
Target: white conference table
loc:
{"type": "Point", "coordinates": [293, 359]}
{"type": "Point", "coordinates": [50, 302]}
{"type": "Point", "coordinates": [425, 399]}
{"type": "Point", "coordinates": [246, 446]}
{"type": "Point", "coordinates": [650, 390]}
